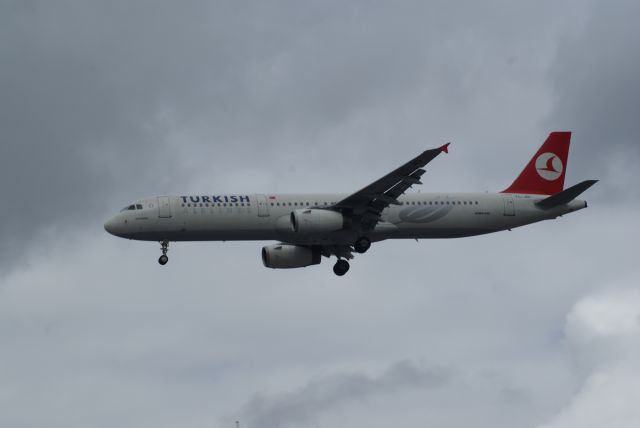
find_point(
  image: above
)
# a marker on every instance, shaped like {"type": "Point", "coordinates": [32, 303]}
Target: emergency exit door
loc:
{"type": "Point", "coordinates": [509, 208]}
{"type": "Point", "coordinates": [263, 208]}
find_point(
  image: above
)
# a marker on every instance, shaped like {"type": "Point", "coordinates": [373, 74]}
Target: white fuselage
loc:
{"type": "Point", "coordinates": [268, 217]}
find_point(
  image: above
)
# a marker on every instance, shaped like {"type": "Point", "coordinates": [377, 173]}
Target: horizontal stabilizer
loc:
{"type": "Point", "coordinates": [566, 195]}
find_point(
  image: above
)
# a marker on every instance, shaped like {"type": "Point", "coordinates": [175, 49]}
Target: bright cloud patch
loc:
{"type": "Point", "coordinates": [604, 332]}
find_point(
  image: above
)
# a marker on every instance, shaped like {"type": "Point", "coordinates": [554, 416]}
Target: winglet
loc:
{"type": "Point", "coordinates": [444, 148]}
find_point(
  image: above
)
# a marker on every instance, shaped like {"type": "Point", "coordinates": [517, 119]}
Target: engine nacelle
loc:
{"type": "Point", "coordinates": [309, 221]}
{"type": "Point", "coordinates": [283, 256]}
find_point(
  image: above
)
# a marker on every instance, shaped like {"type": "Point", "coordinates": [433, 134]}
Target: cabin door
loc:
{"type": "Point", "coordinates": [164, 207]}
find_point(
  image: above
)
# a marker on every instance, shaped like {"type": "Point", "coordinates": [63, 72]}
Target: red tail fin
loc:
{"type": "Point", "coordinates": [544, 174]}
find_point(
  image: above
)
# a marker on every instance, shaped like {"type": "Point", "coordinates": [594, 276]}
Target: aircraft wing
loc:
{"type": "Point", "coordinates": [367, 204]}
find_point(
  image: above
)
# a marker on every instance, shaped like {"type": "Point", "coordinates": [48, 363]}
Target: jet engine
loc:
{"type": "Point", "coordinates": [308, 221]}
{"type": "Point", "coordinates": [283, 256]}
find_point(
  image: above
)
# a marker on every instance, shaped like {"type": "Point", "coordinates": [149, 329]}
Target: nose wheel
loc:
{"type": "Point", "coordinates": [341, 267]}
{"type": "Point", "coordinates": [164, 246]}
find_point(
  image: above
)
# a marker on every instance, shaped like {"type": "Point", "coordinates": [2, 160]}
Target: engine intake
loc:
{"type": "Point", "coordinates": [308, 221]}
{"type": "Point", "coordinates": [283, 256]}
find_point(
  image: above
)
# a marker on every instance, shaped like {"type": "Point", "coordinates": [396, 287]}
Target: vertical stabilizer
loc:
{"type": "Point", "coordinates": [544, 174]}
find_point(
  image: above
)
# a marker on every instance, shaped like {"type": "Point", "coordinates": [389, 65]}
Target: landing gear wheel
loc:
{"type": "Point", "coordinates": [164, 247]}
{"type": "Point", "coordinates": [341, 267]}
{"type": "Point", "coordinates": [362, 244]}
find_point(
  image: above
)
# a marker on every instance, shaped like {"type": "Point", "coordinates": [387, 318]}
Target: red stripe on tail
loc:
{"type": "Point", "coordinates": [544, 174]}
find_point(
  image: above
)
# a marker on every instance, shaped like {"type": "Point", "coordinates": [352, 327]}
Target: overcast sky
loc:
{"type": "Point", "coordinates": [102, 103]}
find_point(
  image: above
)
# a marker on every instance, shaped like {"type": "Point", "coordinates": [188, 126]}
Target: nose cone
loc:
{"type": "Point", "coordinates": [114, 226]}
{"type": "Point", "coordinates": [109, 226]}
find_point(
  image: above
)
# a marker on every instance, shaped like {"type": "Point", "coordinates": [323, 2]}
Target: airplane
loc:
{"type": "Point", "coordinates": [310, 226]}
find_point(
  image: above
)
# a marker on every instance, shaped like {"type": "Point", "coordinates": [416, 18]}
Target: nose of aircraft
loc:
{"type": "Point", "coordinates": [113, 226]}
{"type": "Point", "coordinates": [108, 226]}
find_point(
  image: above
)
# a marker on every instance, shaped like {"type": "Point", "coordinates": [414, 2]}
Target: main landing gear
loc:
{"type": "Point", "coordinates": [362, 244]}
{"type": "Point", "coordinates": [341, 267]}
{"type": "Point", "coordinates": [344, 253]}
{"type": "Point", "coordinates": [164, 246]}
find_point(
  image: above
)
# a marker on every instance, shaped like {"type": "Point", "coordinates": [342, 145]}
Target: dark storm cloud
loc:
{"type": "Point", "coordinates": [301, 407]}
{"type": "Point", "coordinates": [596, 83]}
{"type": "Point", "coordinates": [93, 92]}
{"type": "Point", "coordinates": [75, 93]}
{"type": "Point", "coordinates": [90, 94]}
{"type": "Point", "coordinates": [105, 100]}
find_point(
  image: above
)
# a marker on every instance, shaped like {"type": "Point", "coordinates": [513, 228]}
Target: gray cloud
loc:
{"type": "Point", "coordinates": [603, 330]}
{"type": "Point", "coordinates": [106, 102]}
{"type": "Point", "coordinates": [303, 406]}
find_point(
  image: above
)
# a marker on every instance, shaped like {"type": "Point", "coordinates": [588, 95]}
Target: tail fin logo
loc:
{"type": "Point", "coordinates": [549, 166]}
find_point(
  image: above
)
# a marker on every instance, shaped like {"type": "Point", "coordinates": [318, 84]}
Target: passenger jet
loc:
{"type": "Point", "coordinates": [310, 226]}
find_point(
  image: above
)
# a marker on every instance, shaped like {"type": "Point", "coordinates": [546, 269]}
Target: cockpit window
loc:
{"type": "Point", "coordinates": [138, 206]}
{"type": "Point", "coordinates": [130, 207]}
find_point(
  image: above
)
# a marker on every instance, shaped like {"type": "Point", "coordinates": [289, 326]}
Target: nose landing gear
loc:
{"type": "Point", "coordinates": [341, 267]}
{"type": "Point", "coordinates": [164, 246]}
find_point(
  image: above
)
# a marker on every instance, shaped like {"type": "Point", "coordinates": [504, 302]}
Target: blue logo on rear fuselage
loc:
{"type": "Point", "coordinates": [213, 199]}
